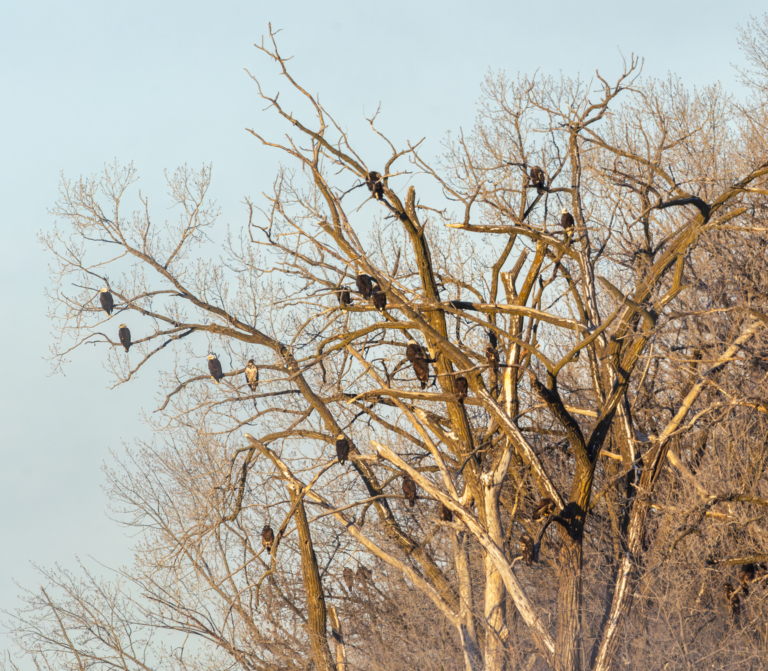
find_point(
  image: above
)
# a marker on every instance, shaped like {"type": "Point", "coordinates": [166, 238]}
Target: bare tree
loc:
{"type": "Point", "coordinates": [487, 429]}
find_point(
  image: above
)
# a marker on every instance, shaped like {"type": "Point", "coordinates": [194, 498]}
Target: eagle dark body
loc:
{"type": "Point", "coordinates": [267, 537]}
{"type": "Point", "coordinates": [537, 178]}
{"type": "Point", "coordinates": [379, 300]}
{"type": "Point", "coordinates": [125, 336]}
{"type": "Point", "coordinates": [252, 374]}
{"type": "Point", "coordinates": [342, 448]}
{"type": "Point", "coordinates": [545, 508]}
{"type": "Point", "coordinates": [106, 300]}
{"type": "Point", "coordinates": [409, 489]}
{"type": "Point", "coordinates": [526, 549]}
{"type": "Point", "coordinates": [566, 220]}
{"type": "Point", "coordinates": [493, 339]}
{"type": "Point", "coordinates": [363, 573]}
{"type": "Point", "coordinates": [349, 577]}
{"type": "Point", "coordinates": [375, 185]}
{"type": "Point", "coordinates": [345, 298]}
{"type": "Point", "coordinates": [214, 368]}
{"type": "Point", "coordinates": [364, 285]}
{"type": "Point", "coordinates": [445, 513]}
{"type": "Point", "coordinates": [461, 386]}
{"type": "Point", "coordinates": [746, 576]}
{"type": "Point", "coordinates": [418, 359]}
{"type": "Point", "coordinates": [492, 357]}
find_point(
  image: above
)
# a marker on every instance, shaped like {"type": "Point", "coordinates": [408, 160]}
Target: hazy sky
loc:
{"type": "Point", "coordinates": [163, 84]}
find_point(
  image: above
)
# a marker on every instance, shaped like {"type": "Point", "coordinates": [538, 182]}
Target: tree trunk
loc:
{"type": "Point", "coordinates": [495, 592]}
{"type": "Point", "coordinates": [313, 587]}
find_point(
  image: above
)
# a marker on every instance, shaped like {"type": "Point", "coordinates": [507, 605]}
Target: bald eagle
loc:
{"type": "Point", "coordinates": [364, 285]}
{"type": "Point", "coordinates": [537, 178]}
{"type": "Point", "coordinates": [363, 573]}
{"type": "Point", "coordinates": [252, 374]}
{"type": "Point", "coordinates": [342, 448]}
{"type": "Point", "coordinates": [445, 513]}
{"type": "Point", "coordinates": [125, 336]}
{"type": "Point", "coordinates": [214, 367]}
{"type": "Point", "coordinates": [526, 548]}
{"type": "Point", "coordinates": [462, 387]}
{"type": "Point", "coordinates": [733, 601]}
{"type": "Point", "coordinates": [409, 489]}
{"type": "Point", "coordinates": [493, 339]}
{"type": "Point", "coordinates": [267, 537]}
{"type": "Point", "coordinates": [746, 576]}
{"type": "Point", "coordinates": [344, 296]}
{"type": "Point", "coordinates": [106, 300]}
{"type": "Point", "coordinates": [566, 219]}
{"type": "Point", "coordinates": [418, 359]}
{"type": "Point", "coordinates": [375, 185]}
{"type": "Point", "coordinates": [545, 508]}
{"type": "Point", "coordinates": [379, 299]}
{"type": "Point", "coordinates": [349, 577]}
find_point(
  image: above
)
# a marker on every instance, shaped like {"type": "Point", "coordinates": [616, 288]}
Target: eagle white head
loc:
{"type": "Point", "coordinates": [104, 291]}
{"type": "Point", "coordinates": [122, 326]}
{"type": "Point", "coordinates": [211, 356]}
{"type": "Point", "coordinates": [565, 211]}
{"type": "Point", "coordinates": [411, 341]}
{"type": "Point", "coordinates": [341, 436]}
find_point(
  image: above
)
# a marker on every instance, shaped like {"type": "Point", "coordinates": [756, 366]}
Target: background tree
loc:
{"type": "Point", "coordinates": [587, 444]}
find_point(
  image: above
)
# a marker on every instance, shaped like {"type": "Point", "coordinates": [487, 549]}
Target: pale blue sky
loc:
{"type": "Point", "coordinates": [162, 84]}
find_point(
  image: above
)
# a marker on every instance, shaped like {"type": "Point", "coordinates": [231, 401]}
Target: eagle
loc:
{"type": "Point", "coordinates": [349, 577]}
{"type": "Point", "coordinates": [544, 508]}
{"type": "Point", "coordinates": [379, 299]}
{"type": "Point", "coordinates": [418, 359]}
{"type": "Point", "coordinates": [106, 300]}
{"type": "Point", "coordinates": [493, 339]}
{"type": "Point", "coordinates": [537, 178]}
{"type": "Point", "coordinates": [214, 367]}
{"type": "Point", "coordinates": [252, 374]}
{"type": "Point", "coordinates": [526, 548]}
{"type": "Point", "coordinates": [125, 336]}
{"type": "Point", "coordinates": [363, 573]}
{"type": "Point", "coordinates": [267, 537]}
{"type": "Point", "coordinates": [342, 448]}
{"type": "Point", "coordinates": [375, 185]}
{"type": "Point", "coordinates": [732, 599]}
{"type": "Point", "coordinates": [409, 489]}
{"type": "Point", "coordinates": [364, 285]}
{"type": "Point", "coordinates": [492, 357]}
{"type": "Point", "coordinates": [746, 576]}
{"type": "Point", "coordinates": [344, 296]}
{"type": "Point", "coordinates": [462, 387]}
{"type": "Point", "coordinates": [566, 219]}
{"type": "Point", "coordinates": [445, 513]}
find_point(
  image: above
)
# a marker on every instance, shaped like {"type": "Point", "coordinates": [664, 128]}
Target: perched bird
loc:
{"type": "Point", "coordinates": [342, 448]}
{"type": "Point", "coordinates": [125, 336]}
{"type": "Point", "coordinates": [537, 178]}
{"type": "Point", "coordinates": [493, 339]}
{"type": "Point", "coordinates": [409, 489]}
{"type": "Point", "coordinates": [379, 299]}
{"type": "Point", "coordinates": [526, 548]}
{"type": "Point", "coordinates": [344, 296]}
{"type": "Point", "coordinates": [106, 300]}
{"type": "Point", "coordinates": [733, 601]}
{"type": "Point", "coordinates": [375, 185]}
{"type": "Point", "coordinates": [746, 576]}
{"type": "Point", "coordinates": [349, 577]}
{"type": "Point", "coordinates": [418, 359]}
{"type": "Point", "coordinates": [462, 387]}
{"type": "Point", "coordinates": [252, 374]}
{"type": "Point", "coordinates": [492, 357]}
{"type": "Point", "coordinates": [363, 573]}
{"type": "Point", "coordinates": [545, 508]}
{"type": "Point", "coordinates": [214, 367]}
{"type": "Point", "coordinates": [445, 513]}
{"type": "Point", "coordinates": [364, 285]}
{"type": "Point", "coordinates": [566, 219]}
{"type": "Point", "coordinates": [267, 537]}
